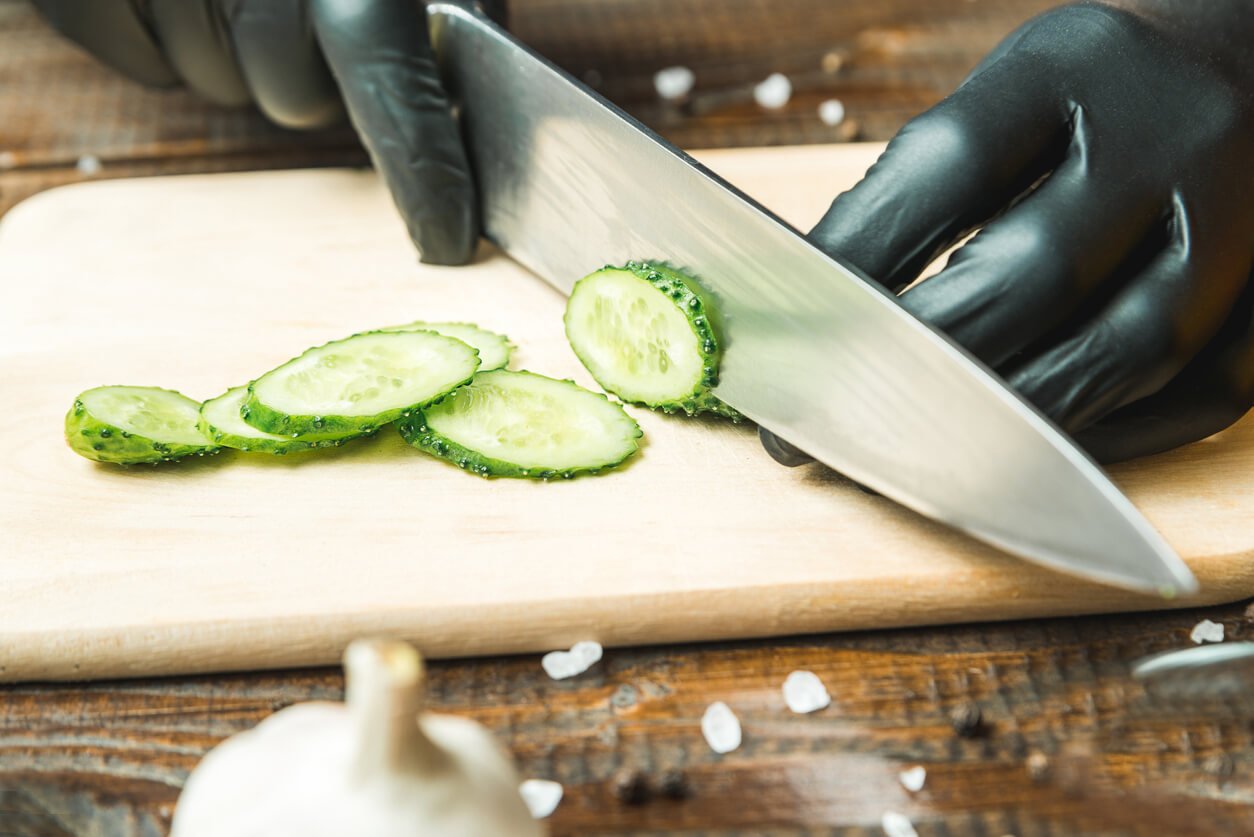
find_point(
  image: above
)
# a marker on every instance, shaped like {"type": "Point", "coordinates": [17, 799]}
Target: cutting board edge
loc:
{"type": "Point", "coordinates": [784, 610]}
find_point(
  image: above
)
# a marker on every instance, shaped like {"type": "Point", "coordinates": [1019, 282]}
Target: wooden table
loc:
{"type": "Point", "coordinates": [1067, 744]}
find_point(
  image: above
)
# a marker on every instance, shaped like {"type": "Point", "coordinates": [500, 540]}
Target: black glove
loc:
{"type": "Point", "coordinates": [301, 62]}
{"type": "Point", "coordinates": [1107, 152]}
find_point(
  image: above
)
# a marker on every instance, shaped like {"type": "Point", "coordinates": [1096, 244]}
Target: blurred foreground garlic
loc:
{"type": "Point", "coordinates": [370, 767]}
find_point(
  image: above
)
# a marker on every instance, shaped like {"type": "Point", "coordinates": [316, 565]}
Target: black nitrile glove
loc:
{"type": "Point", "coordinates": [1107, 152]}
{"type": "Point", "coordinates": [301, 62]}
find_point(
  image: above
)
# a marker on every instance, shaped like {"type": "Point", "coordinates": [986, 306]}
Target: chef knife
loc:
{"type": "Point", "coordinates": [815, 352]}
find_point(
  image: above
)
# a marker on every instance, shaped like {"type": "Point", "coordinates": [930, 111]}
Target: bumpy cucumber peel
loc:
{"type": "Point", "coordinates": [520, 424]}
{"type": "Point", "coordinates": [613, 347]}
{"type": "Point", "coordinates": [135, 425]}
{"type": "Point", "coordinates": [220, 420]}
{"type": "Point", "coordinates": [276, 405]}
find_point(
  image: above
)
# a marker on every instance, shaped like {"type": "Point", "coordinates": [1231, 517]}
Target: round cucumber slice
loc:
{"type": "Point", "coordinates": [644, 332]}
{"type": "Point", "coordinates": [220, 420]}
{"type": "Point", "coordinates": [132, 425]}
{"type": "Point", "coordinates": [494, 349]}
{"type": "Point", "coordinates": [355, 385]}
{"type": "Point", "coordinates": [519, 424]}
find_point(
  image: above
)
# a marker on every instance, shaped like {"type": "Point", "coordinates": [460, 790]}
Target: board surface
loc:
{"type": "Point", "coordinates": [245, 561]}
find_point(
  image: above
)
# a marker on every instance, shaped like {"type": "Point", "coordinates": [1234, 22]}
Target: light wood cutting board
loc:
{"type": "Point", "coordinates": [243, 561]}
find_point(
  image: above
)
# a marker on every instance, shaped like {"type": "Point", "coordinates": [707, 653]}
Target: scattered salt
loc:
{"type": "Point", "coordinates": [541, 796]}
{"type": "Point", "coordinates": [720, 727]}
{"type": "Point", "coordinates": [897, 825]}
{"type": "Point", "coordinates": [1207, 631]}
{"type": "Point", "coordinates": [562, 664]}
{"type": "Point", "coordinates": [832, 112]}
{"type": "Point", "coordinates": [88, 164]}
{"type": "Point", "coordinates": [804, 692]}
{"type": "Point", "coordinates": [774, 92]}
{"type": "Point", "coordinates": [674, 82]}
{"type": "Point", "coordinates": [913, 779]}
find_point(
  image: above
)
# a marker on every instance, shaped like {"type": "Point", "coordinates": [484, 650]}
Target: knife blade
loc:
{"type": "Point", "coordinates": [815, 352]}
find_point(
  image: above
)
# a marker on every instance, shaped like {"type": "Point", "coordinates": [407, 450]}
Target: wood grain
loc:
{"type": "Point", "coordinates": [249, 561]}
{"type": "Point", "coordinates": [109, 758]}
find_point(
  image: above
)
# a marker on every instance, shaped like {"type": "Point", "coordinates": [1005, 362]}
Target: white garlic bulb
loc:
{"type": "Point", "coordinates": [371, 767]}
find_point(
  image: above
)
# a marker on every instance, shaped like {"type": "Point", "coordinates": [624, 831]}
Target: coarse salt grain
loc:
{"type": "Point", "coordinates": [721, 727]}
{"type": "Point", "coordinates": [88, 164]}
{"type": "Point", "coordinates": [674, 82]}
{"type": "Point", "coordinates": [562, 664]}
{"type": "Point", "coordinates": [832, 112]}
{"type": "Point", "coordinates": [1207, 631]}
{"type": "Point", "coordinates": [7, 159]}
{"type": "Point", "coordinates": [913, 779]}
{"type": "Point", "coordinates": [804, 692]}
{"type": "Point", "coordinates": [897, 825]}
{"type": "Point", "coordinates": [541, 796]}
{"type": "Point", "coordinates": [773, 92]}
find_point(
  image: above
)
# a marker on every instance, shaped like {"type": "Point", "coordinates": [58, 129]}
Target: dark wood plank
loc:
{"type": "Point", "coordinates": [109, 758]}
{"type": "Point", "coordinates": [1116, 760]}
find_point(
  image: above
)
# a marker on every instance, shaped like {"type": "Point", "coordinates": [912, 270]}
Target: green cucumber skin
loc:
{"type": "Point", "coordinates": [340, 427]}
{"type": "Point", "coordinates": [102, 442]}
{"type": "Point", "coordinates": [260, 416]}
{"type": "Point", "coordinates": [690, 298]}
{"type": "Point", "coordinates": [270, 446]}
{"type": "Point", "coordinates": [414, 430]}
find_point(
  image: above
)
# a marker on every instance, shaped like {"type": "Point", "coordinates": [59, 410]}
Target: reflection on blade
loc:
{"type": "Point", "coordinates": [817, 354]}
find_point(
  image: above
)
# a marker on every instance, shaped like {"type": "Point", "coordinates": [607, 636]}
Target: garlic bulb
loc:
{"type": "Point", "coordinates": [370, 767]}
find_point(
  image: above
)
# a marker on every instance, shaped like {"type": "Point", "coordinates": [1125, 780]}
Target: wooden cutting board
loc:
{"type": "Point", "coordinates": [245, 561]}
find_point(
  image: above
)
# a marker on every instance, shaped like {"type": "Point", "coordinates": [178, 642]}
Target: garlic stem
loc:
{"type": "Point", "coordinates": [385, 694]}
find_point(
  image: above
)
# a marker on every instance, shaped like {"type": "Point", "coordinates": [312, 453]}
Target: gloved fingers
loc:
{"type": "Point", "coordinates": [1212, 393]}
{"type": "Point", "coordinates": [194, 37]}
{"type": "Point", "coordinates": [380, 53]}
{"type": "Point", "coordinates": [1002, 49]}
{"type": "Point", "coordinates": [1145, 337]}
{"type": "Point", "coordinates": [115, 32]}
{"type": "Point", "coordinates": [282, 63]}
{"type": "Point", "coordinates": [1029, 270]}
{"type": "Point", "coordinates": [949, 170]}
{"type": "Point", "coordinates": [1156, 425]}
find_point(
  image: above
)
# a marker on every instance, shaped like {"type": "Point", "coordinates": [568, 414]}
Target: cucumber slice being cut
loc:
{"type": "Point", "coordinates": [494, 349]}
{"type": "Point", "coordinates": [132, 425]}
{"type": "Point", "coordinates": [519, 424]}
{"type": "Point", "coordinates": [644, 332]}
{"type": "Point", "coordinates": [220, 420]}
{"type": "Point", "coordinates": [357, 384]}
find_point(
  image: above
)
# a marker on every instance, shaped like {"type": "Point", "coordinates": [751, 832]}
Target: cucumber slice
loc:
{"type": "Point", "coordinates": [220, 420]}
{"type": "Point", "coordinates": [494, 349]}
{"type": "Point", "coordinates": [132, 425]}
{"type": "Point", "coordinates": [519, 424]}
{"type": "Point", "coordinates": [644, 332]}
{"type": "Point", "coordinates": [355, 385]}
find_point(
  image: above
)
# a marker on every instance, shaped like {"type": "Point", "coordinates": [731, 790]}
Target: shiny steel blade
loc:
{"type": "Point", "coordinates": [815, 353]}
